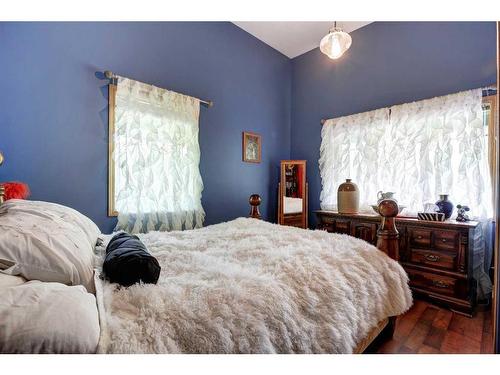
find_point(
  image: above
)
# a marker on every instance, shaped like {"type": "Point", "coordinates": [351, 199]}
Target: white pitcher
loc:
{"type": "Point", "coordinates": [388, 195]}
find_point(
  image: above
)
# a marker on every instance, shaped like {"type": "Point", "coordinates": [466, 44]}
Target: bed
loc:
{"type": "Point", "coordinates": [244, 286]}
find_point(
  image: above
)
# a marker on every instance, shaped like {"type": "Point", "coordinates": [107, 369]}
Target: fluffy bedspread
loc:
{"type": "Point", "coordinates": [248, 286]}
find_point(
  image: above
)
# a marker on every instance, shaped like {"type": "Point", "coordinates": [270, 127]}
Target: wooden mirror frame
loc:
{"type": "Point", "coordinates": [282, 219]}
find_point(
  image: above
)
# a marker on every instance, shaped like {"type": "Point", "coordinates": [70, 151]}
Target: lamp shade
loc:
{"type": "Point", "coordinates": [335, 43]}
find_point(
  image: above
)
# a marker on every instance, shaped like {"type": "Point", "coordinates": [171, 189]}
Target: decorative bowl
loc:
{"type": "Point", "coordinates": [431, 216]}
{"type": "Point", "coordinates": [375, 208]}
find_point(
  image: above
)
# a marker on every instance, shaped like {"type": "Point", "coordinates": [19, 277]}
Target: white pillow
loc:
{"type": "Point", "coordinates": [54, 210]}
{"type": "Point", "coordinates": [39, 241]}
{"type": "Point", "coordinates": [9, 280]}
{"type": "Point", "coordinates": [39, 317]}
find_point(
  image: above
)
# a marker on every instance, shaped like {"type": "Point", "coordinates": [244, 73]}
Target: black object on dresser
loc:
{"type": "Point", "coordinates": [438, 256]}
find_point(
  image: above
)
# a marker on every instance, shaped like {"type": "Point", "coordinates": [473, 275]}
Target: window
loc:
{"type": "Point", "coordinates": [154, 155]}
{"type": "Point", "coordinates": [418, 150]}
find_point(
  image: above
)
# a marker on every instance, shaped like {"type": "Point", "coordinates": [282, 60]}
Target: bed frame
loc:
{"type": "Point", "coordinates": [388, 242]}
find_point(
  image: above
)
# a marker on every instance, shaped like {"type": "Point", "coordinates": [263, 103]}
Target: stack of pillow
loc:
{"type": "Point", "coordinates": [46, 279]}
{"type": "Point", "coordinates": [47, 242]}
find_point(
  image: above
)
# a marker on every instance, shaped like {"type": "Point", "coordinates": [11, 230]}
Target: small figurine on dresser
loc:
{"type": "Point", "coordinates": [461, 213]}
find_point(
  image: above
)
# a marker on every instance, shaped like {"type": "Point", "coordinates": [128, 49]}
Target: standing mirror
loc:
{"type": "Point", "coordinates": [292, 194]}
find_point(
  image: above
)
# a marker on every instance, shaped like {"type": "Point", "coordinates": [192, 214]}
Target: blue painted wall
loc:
{"type": "Point", "coordinates": [388, 63]}
{"type": "Point", "coordinates": [53, 109]}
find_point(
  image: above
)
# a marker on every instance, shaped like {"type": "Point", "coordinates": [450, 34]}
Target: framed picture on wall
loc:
{"type": "Point", "coordinates": [251, 147]}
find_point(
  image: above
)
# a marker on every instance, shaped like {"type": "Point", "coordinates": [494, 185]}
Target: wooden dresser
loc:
{"type": "Point", "coordinates": [436, 255]}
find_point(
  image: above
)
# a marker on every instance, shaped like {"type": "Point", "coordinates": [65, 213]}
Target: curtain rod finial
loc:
{"type": "Point", "coordinates": [108, 74]}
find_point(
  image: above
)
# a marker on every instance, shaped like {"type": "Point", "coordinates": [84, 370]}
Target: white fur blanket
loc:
{"type": "Point", "coordinates": [248, 286]}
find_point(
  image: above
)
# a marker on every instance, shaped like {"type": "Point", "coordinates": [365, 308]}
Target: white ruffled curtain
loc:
{"type": "Point", "coordinates": [417, 150]}
{"type": "Point", "coordinates": [352, 147]}
{"type": "Point", "coordinates": [158, 184]}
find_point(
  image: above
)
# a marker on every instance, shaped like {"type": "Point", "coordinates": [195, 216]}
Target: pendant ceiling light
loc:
{"type": "Point", "coordinates": [335, 43]}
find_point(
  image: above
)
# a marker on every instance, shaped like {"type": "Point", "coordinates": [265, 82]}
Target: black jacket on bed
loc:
{"type": "Point", "coordinates": [128, 261]}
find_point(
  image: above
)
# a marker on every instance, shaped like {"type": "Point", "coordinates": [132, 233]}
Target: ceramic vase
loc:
{"type": "Point", "coordinates": [348, 198]}
{"type": "Point", "coordinates": [445, 206]}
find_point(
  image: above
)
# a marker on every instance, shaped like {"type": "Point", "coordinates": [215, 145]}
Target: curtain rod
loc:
{"type": "Point", "coordinates": [112, 77]}
{"type": "Point", "coordinates": [492, 88]}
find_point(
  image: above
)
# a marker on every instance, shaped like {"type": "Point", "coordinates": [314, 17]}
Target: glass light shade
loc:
{"type": "Point", "coordinates": [335, 43]}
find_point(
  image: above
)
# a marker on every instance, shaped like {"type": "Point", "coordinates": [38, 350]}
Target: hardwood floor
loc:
{"type": "Point", "coordinates": [426, 328]}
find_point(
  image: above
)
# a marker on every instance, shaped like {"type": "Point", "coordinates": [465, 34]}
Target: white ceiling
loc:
{"type": "Point", "coordinates": [294, 38]}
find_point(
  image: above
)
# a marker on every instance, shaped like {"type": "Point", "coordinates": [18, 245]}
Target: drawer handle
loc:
{"type": "Point", "coordinates": [432, 258]}
{"type": "Point", "coordinates": [440, 284]}
{"type": "Point", "coordinates": [444, 240]}
{"type": "Point", "coordinates": [419, 237]}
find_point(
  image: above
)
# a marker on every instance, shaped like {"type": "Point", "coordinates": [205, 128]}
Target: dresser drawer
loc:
{"type": "Point", "coordinates": [431, 258]}
{"type": "Point", "coordinates": [343, 226]}
{"type": "Point", "coordinates": [420, 237]}
{"type": "Point", "coordinates": [328, 220]}
{"type": "Point", "coordinates": [432, 282]}
{"type": "Point", "coordinates": [446, 240]}
{"type": "Point", "coordinates": [332, 224]}
{"type": "Point", "coordinates": [365, 231]}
